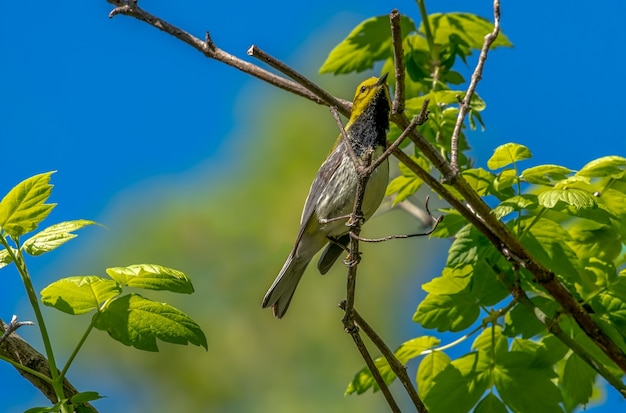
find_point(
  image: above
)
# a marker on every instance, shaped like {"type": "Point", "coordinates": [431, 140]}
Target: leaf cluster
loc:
{"type": "Point", "coordinates": [573, 222]}
{"type": "Point", "coordinates": [131, 319]}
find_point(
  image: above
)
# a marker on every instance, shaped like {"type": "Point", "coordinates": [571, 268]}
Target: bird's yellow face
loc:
{"type": "Point", "coordinates": [367, 92]}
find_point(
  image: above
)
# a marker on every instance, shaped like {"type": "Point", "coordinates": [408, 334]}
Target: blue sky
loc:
{"type": "Point", "coordinates": [113, 103]}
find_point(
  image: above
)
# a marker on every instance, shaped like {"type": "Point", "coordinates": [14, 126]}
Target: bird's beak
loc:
{"type": "Point", "coordinates": [382, 79]}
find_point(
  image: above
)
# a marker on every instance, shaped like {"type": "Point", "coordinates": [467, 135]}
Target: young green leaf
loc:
{"type": "Point", "coordinates": [5, 258]}
{"type": "Point", "coordinates": [136, 321]}
{"type": "Point", "coordinates": [490, 404]}
{"type": "Point", "coordinates": [451, 225]}
{"type": "Point", "coordinates": [54, 236]}
{"type": "Point", "coordinates": [463, 27]}
{"type": "Point", "coordinates": [515, 377]}
{"type": "Point", "coordinates": [545, 174]}
{"type": "Point", "coordinates": [368, 42]}
{"type": "Point", "coordinates": [479, 179]}
{"type": "Point", "coordinates": [578, 380]}
{"type": "Point", "coordinates": [516, 203]}
{"type": "Point", "coordinates": [447, 312]}
{"type": "Point", "coordinates": [433, 364]}
{"type": "Point", "coordinates": [576, 198]}
{"type": "Point", "coordinates": [613, 166]}
{"type": "Point", "coordinates": [547, 241]}
{"type": "Point", "coordinates": [24, 207]}
{"type": "Point", "coordinates": [508, 154]}
{"type": "Point", "coordinates": [460, 385]}
{"type": "Point", "coordinates": [79, 294]}
{"type": "Point", "coordinates": [152, 277]}
{"type": "Point", "coordinates": [363, 380]}
{"type": "Point", "coordinates": [85, 397]}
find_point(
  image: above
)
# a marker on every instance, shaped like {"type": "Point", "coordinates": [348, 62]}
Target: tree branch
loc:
{"type": "Point", "coordinates": [33, 366]}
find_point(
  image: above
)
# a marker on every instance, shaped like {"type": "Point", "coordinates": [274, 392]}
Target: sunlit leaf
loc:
{"type": "Point", "coordinates": [24, 207]}
{"type": "Point", "coordinates": [516, 203]}
{"type": "Point", "coordinates": [152, 277]}
{"type": "Point", "coordinates": [5, 258]}
{"type": "Point", "coordinates": [364, 380]}
{"type": "Point", "coordinates": [54, 236]}
{"type": "Point", "coordinates": [432, 364]}
{"type": "Point", "coordinates": [545, 174]}
{"type": "Point", "coordinates": [576, 198]}
{"type": "Point", "coordinates": [613, 166]}
{"type": "Point", "coordinates": [136, 321]}
{"type": "Point", "coordinates": [508, 154]}
{"type": "Point", "coordinates": [79, 294]}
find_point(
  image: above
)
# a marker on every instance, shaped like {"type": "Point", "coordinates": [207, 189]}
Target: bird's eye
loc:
{"type": "Point", "coordinates": [363, 89]}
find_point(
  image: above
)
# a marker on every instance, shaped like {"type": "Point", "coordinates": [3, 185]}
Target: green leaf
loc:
{"type": "Point", "coordinates": [508, 154]}
{"type": "Point", "coordinates": [54, 236]}
{"type": "Point", "coordinates": [460, 385]}
{"type": "Point", "coordinates": [479, 180]}
{"type": "Point", "coordinates": [578, 380]}
{"type": "Point", "coordinates": [470, 246]}
{"type": "Point", "coordinates": [613, 166]}
{"type": "Point", "coordinates": [490, 404]}
{"type": "Point", "coordinates": [85, 397]}
{"type": "Point", "coordinates": [136, 321]}
{"type": "Point", "coordinates": [433, 364]}
{"type": "Point", "coordinates": [24, 207]}
{"type": "Point", "coordinates": [516, 203]}
{"type": "Point", "coordinates": [368, 42]}
{"type": "Point", "coordinates": [486, 287]}
{"type": "Point", "coordinates": [364, 380]}
{"type": "Point", "coordinates": [448, 312]}
{"type": "Point", "coordinates": [576, 198]}
{"type": "Point", "coordinates": [5, 257]}
{"type": "Point", "coordinates": [521, 320]}
{"type": "Point", "coordinates": [152, 277]}
{"type": "Point", "coordinates": [545, 174]}
{"type": "Point", "coordinates": [547, 241]}
{"type": "Point", "coordinates": [55, 408]}
{"type": "Point", "coordinates": [515, 378]}
{"type": "Point", "coordinates": [79, 294]}
{"type": "Point", "coordinates": [464, 27]}
{"type": "Point", "coordinates": [452, 281]}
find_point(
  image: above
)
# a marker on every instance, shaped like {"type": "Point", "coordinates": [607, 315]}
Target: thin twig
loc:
{"type": "Point", "coordinates": [396, 366]}
{"type": "Point", "coordinates": [435, 222]}
{"type": "Point", "coordinates": [398, 57]}
{"type": "Point", "coordinates": [209, 49]}
{"type": "Point", "coordinates": [369, 362]}
{"type": "Point", "coordinates": [13, 326]}
{"type": "Point", "coordinates": [464, 105]}
{"type": "Point", "coordinates": [329, 99]}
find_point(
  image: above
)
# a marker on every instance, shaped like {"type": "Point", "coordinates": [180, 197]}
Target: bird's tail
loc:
{"type": "Point", "coordinates": [281, 292]}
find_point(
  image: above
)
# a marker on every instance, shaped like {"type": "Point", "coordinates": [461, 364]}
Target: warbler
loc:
{"type": "Point", "coordinates": [333, 192]}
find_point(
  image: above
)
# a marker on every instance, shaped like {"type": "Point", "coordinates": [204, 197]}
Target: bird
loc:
{"type": "Point", "coordinates": [332, 194]}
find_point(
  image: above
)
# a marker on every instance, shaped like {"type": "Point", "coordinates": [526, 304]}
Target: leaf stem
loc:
{"type": "Point", "coordinates": [20, 264]}
{"type": "Point", "coordinates": [78, 346]}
